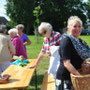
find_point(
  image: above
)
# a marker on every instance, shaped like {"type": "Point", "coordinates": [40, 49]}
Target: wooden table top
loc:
{"type": "Point", "coordinates": [20, 76]}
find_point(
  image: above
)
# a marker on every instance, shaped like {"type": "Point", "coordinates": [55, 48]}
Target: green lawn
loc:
{"type": "Point", "coordinates": [33, 51]}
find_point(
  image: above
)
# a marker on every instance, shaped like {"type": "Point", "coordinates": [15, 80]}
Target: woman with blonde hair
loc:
{"type": "Point", "coordinates": [73, 51]}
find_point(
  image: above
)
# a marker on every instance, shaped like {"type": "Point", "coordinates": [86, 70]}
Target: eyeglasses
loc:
{"type": "Point", "coordinates": [44, 32]}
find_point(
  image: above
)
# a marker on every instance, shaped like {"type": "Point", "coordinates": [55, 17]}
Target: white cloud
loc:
{"type": "Point", "coordinates": [3, 13]}
{"type": "Point", "coordinates": [85, 0]}
{"type": "Point", "coordinates": [2, 10]}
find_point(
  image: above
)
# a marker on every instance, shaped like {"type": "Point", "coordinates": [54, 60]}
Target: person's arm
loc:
{"type": "Point", "coordinates": [28, 42]}
{"type": "Point", "coordinates": [70, 67]}
{"type": "Point", "coordinates": [26, 39]}
{"type": "Point", "coordinates": [41, 55]}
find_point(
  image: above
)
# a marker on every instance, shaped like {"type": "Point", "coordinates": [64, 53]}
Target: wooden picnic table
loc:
{"type": "Point", "coordinates": [20, 76]}
{"type": "Point", "coordinates": [48, 82]}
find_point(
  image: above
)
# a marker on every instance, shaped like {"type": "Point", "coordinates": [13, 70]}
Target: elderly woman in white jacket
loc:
{"type": "Point", "coordinates": [6, 47]}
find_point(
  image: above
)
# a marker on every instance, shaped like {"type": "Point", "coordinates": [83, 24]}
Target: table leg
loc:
{"type": "Point", "coordinates": [36, 79]}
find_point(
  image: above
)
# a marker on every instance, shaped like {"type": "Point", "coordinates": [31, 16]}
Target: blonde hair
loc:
{"type": "Point", "coordinates": [72, 20]}
{"type": "Point", "coordinates": [44, 26]}
{"type": "Point", "coordinates": [14, 31]}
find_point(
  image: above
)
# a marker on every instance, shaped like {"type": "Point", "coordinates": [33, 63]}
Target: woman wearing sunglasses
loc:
{"type": "Point", "coordinates": [51, 38]}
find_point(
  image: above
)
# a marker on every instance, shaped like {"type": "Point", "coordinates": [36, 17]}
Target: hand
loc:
{"type": "Point", "coordinates": [49, 53]}
{"type": "Point", "coordinates": [34, 66]}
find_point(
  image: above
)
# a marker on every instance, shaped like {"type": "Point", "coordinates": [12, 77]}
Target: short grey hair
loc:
{"type": "Point", "coordinates": [20, 26]}
{"type": "Point", "coordinates": [14, 31]}
{"type": "Point", "coordinates": [44, 26]}
{"type": "Point", "coordinates": [73, 19]}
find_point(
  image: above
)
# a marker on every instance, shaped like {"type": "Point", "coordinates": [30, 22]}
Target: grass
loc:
{"type": "Point", "coordinates": [33, 50]}
{"type": "Point", "coordinates": [86, 39]}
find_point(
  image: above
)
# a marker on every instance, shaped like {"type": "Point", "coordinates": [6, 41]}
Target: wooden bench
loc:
{"type": "Point", "coordinates": [20, 76]}
{"type": "Point", "coordinates": [48, 82]}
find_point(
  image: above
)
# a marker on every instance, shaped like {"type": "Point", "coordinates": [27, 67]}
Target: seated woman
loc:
{"type": "Point", "coordinates": [20, 50]}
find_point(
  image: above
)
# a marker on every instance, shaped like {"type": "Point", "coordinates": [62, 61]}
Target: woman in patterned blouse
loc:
{"type": "Point", "coordinates": [51, 38]}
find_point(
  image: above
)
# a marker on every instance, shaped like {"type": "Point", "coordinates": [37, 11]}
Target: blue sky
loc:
{"type": "Point", "coordinates": [3, 11]}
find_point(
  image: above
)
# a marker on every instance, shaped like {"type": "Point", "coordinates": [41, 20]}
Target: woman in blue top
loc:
{"type": "Point", "coordinates": [22, 35]}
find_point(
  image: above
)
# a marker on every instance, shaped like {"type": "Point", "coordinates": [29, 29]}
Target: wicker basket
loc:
{"type": "Point", "coordinates": [81, 82]}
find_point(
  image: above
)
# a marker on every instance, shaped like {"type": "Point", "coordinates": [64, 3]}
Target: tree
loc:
{"type": "Point", "coordinates": [37, 12]}
{"type": "Point", "coordinates": [88, 10]}
{"type": "Point", "coordinates": [21, 11]}
{"type": "Point", "coordinates": [58, 11]}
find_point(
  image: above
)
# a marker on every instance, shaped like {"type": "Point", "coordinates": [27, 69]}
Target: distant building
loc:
{"type": "Point", "coordinates": [3, 21]}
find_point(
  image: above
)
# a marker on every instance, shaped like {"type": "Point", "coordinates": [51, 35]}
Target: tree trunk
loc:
{"type": "Point", "coordinates": [28, 28]}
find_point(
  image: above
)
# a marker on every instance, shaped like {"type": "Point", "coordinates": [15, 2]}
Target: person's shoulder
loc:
{"type": "Point", "coordinates": [24, 34]}
{"type": "Point", "coordinates": [55, 33]}
{"type": "Point", "coordinates": [8, 37]}
{"type": "Point", "coordinates": [65, 40]}
{"type": "Point", "coordinates": [5, 37]}
{"type": "Point", "coordinates": [16, 38]}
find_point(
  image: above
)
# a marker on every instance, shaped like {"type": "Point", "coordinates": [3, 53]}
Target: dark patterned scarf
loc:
{"type": "Point", "coordinates": [80, 46]}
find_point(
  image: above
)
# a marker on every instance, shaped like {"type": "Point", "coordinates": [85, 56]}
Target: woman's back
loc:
{"type": "Point", "coordinates": [6, 47]}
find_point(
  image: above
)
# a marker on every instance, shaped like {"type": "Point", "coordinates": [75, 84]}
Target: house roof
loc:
{"type": "Point", "coordinates": [3, 20]}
